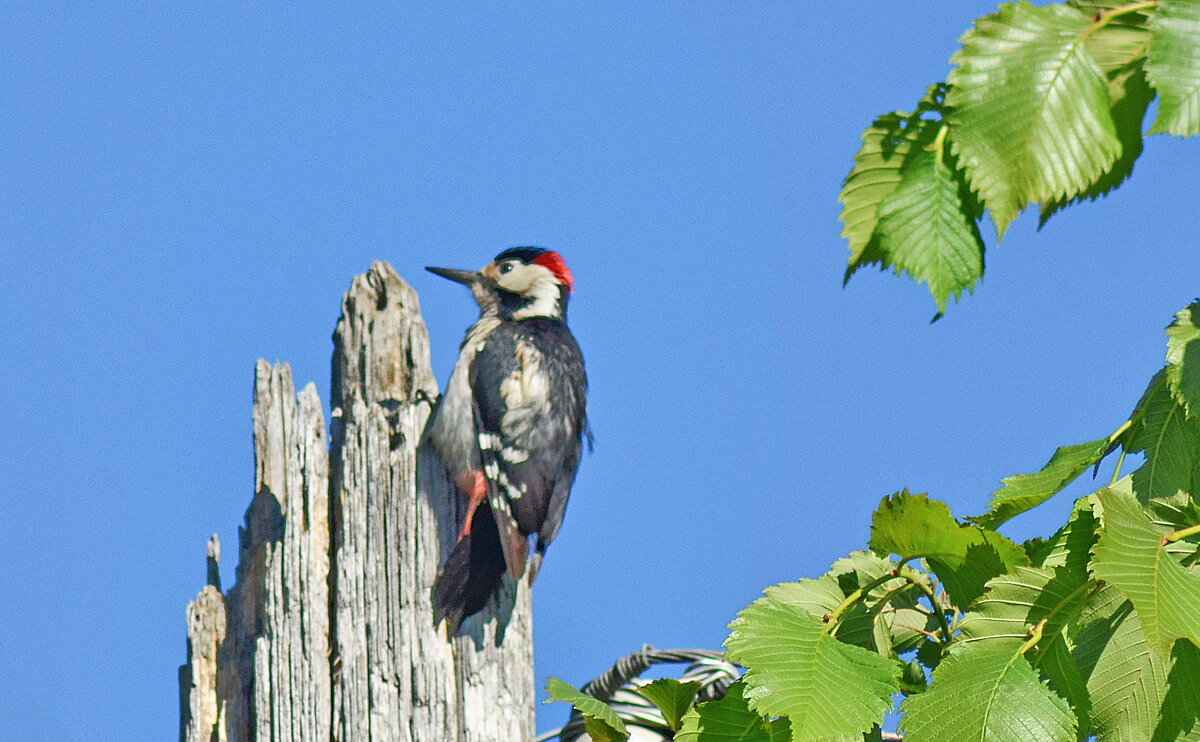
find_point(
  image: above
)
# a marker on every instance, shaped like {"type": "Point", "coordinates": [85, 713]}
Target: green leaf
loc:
{"type": "Point", "coordinates": [820, 598]}
{"type": "Point", "coordinates": [1015, 603]}
{"type": "Point", "coordinates": [794, 667]}
{"type": "Point", "coordinates": [1129, 555]}
{"type": "Point", "coordinates": [1181, 706]}
{"type": "Point", "coordinates": [876, 172]}
{"type": "Point", "coordinates": [672, 698]}
{"type": "Point", "coordinates": [817, 597]}
{"type": "Point", "coordinates": [1025, 491]}
{"type": "Point", "coordinates": [884, 620]}
{"type": "Point", "coordinates": [1121, 42]}
{"type": "Point", "coordinates": [889, 618]}
{"type": "Point", "coordinates": [600, 720]}
{"type": "Point", "coordinates": [1125, 676]}
{"type": "Point", "coordinates": [925, 228]}
{"type": "Point", "coordinates": [963, 557]}
{"type": "Point", "coordinates": [913, 679]}
{"type": "Point", "coordinates": [1029, 117]}
{"type": "Point", "coordinates": [1119, 49]}
{"type": "Point", "coordinates": [1130, 95]}
{"type": "Point", "coordinates": [1058, 666]}
{"type": "Point", "coordinates": [1170, 441]}
{"type": "Point", "coordinates": [1175, 514]}
{"type": "Point", "coordinates": [987, 692]}
{"type": "Point", "coordinates": [730, 719]}
{"type": "Point", "coordinates": [1183, 357]}
{"type": "Point", "coordinates": [1071, 546]}
{"type": "Point", "coordinates": [906, 205]}
{"type": "Point", "coordinates": [860, 567]}
{"type": "Point", "coordinates": [930, 654]}
{"type": "Point", "coordinates": [915, 526]}
{"type": "Point", "coordinates": [1134, 691]}
{"type": "Point", "coordinates": [1173, 66]}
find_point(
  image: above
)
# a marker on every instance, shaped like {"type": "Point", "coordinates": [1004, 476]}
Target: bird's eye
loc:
{"type": "Point", "coordinates": [506, 267]}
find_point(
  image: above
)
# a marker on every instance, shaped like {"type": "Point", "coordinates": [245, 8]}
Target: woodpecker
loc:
{"type": "Point", "coordinates": [510, 426]}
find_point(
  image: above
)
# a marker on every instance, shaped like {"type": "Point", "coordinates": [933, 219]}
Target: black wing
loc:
{"type": "Point", "coordinates": [530, 389]}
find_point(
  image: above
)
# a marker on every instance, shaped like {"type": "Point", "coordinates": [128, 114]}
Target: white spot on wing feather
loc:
{"type": "Point", "coordinates": [514, 455]}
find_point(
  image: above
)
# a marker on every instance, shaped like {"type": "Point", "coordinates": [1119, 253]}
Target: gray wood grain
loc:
{"type": "Point", "coordinates": [200, 710]}
{"type": "Point", "coordinates": [328, 631]}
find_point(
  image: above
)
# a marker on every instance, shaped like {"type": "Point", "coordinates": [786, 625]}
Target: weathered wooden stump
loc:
{"type": "Point", "coordinates": [328, 632]}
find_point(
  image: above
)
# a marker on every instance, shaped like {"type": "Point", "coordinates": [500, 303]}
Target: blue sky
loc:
{"type": "Point", "coordinates": [187, 189]}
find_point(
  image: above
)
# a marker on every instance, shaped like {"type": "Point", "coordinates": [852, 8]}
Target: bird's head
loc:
{"type": "Point", "coordinates": [520, 282]}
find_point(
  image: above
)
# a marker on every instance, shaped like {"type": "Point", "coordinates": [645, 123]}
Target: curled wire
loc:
{"type": "Point", "coordinates": [615, 687]}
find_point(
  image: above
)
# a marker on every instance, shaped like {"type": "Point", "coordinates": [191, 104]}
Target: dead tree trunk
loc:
{"type": "Point", "coordinates": [328, 633]}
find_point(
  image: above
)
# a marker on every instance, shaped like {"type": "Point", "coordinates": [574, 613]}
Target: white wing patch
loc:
{"type": "Point", "coordinates": [525, 391]}
{"type": "Point", "coordinates": [514, 493]}
{"type": "Point", "coordinates": [490, 444]}
{"type": "Point", "coordinates": [514, 455]}
{"type": "Point", "coordinates": [494, 473]}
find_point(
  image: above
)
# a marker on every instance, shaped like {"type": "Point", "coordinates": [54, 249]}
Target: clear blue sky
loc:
{"type": "Point", "coordinates": [187, 188]}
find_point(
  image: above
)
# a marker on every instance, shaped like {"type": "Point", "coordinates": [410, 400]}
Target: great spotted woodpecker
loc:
{"type": "Point", "coordinates": [510, 427]}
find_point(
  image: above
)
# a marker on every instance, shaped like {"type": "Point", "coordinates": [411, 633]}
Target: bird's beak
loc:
{"type": "Point", "coordinates": [458, 276]}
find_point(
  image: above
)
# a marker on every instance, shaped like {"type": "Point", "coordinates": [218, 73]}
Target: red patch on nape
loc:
{"type": "Point", "coordinates": [553, 262]}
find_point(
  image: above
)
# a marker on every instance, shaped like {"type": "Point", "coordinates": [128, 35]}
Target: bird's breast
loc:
{"type": "Point", "coordinates": [452, 431]}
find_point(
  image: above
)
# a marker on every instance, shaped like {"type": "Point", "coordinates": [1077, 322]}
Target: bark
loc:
{"type": "Point", "coordinates": [330, 624]}
{"type": "Point", "coordinates": [200, 713]}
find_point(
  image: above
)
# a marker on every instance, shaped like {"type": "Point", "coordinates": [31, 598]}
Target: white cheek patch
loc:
{"type": "Point", "coordinates": [523, 277]}
{"type": "Point", "coordinates": [544, 294]}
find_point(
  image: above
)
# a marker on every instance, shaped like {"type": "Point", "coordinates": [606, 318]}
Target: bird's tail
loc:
{"type": "Point", "coordinates": [471, 573]}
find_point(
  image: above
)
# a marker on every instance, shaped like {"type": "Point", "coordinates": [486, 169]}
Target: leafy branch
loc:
{"type": "Point", "coordinates": [1181, 534]}
{"type": "Point", "coordinates": [1044, 106]}
{"type": "Point", "coordinates": [834, 619]}
{"type": "Point", "coordinates": [1104, 17]}
{"type": "Point", "coordinates": [1092, 631]}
